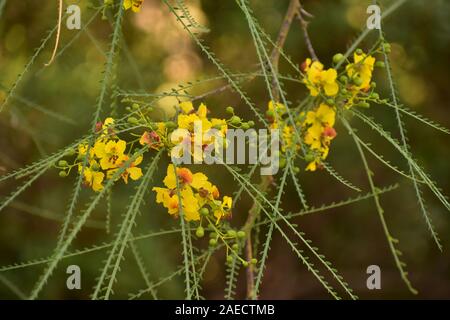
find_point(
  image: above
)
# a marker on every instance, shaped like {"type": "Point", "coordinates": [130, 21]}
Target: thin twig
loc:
{"type": "Point", "coordinates": [58, 33]}
{"type": "Point", "coordinates": [292, 10]}
{"type": "Point", "coordinates": [266, 181]}
{"type": "Point", "coordinates": [304, 24]}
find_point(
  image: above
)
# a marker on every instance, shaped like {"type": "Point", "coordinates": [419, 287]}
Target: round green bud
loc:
{"type": "Point", "coordinates": [282, 163]}
{"type": "Point", "coordinates": [245, 126]}
{"type": "Point", "coordinates": [375, 95]}
{"type": "Point", "coordinates": [109, 2]}
{"type": "Point", "coordinates": [337, 58]}
{"type": "Point", "coordinates": [235, 120]}
{"type": "Point", "coordinates": [62, 163]}
{"type": "Point", "coordinates": [245, 264]}
{"type": "Point", "coordinates": [373, 85]}
{"type": "Point", "coordinates": [63, 174]}
{"type": "Point", "coordinates": [330, 101]}
{"type": "Point", "coordinates": [357, 81]}
{"type": "Point", "coordinates": [204, 211]}
{"type": "Point", "coordinates": [344, 91]}
{"type": "Point", "coordinates": [231, 233]}
{"type": "Point", "coordinates": [296, 169]}
{"type": "Point", "coordinates": [213, 235]}
{"type": "Point", "coordinates": [254, 261]}
{"type": "Point", "coordinates": [95, 166]}
{"type": "Point", "coordinates": [241, 234]}
{"type": "Point", "coordinates": [235, 246]}
{"type": "Point", "coordinates": [251, 123]}
{"type": "Point", "coordinates": [70, 152]}
{"type": "Point", "coordinates": [132, 120]}
{"type": "Point", "coordinates": [230, 110]}
{"type": "Point", "coordinates": [170, 125]}
{"type": "Point", "coordinates": [309, 157]}
{"type": "Point", "coordinates": [359, 51]}
{"type": "Point", "coordinates": [387, 47]}
{"type": "Point", "coordinates": [343, 79]}
{"type": "Point", "coordinates": [135, 106]}
{"type": "Point", "coordinates": [379, 64]}
{"type": "Point", "coordinates": [200, 232]}
{"type": "Point", "coordinates": [363, 104]}
{"type": "Point", "coordinates": [229, 259]}
{"type": "Point", "coordinates": [212, 242]}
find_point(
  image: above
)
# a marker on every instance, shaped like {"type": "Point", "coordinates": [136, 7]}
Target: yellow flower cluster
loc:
{"type": "Point", "coordinates": [318, 80]}
{"type": "Point", "coordinates": [360, 75]}
{"type": "Point", "coordinates": [159, 137]}
{"type": "Point", "coordinates": [198, 195]}
{"type": "Point", "coordinates": [276, 115]}
{"type": "Point", "coordinates": [319, 133]}
{"type": "Point", "coordinates": [106, 157]}
{"type": "Point", "coordinates": [134, 5]}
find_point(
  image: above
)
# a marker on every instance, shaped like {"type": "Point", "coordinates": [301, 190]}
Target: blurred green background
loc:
{"type": "Point", "coordinates": [156, 55]}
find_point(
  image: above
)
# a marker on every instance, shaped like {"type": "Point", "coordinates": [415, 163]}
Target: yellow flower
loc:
{"type": "Point", "coordinates": [82, 149]}
{"type": "Point", "coordinates": [185, 177]}
{"type": "Point", "coordinates": [325, 115]}
{"type": "Point", "coordinates": [202, 111]}
{"type": "Point", "coordinates": [317, 79]}
{"type": "Point", "coordinates": [131, 171]}
{"type": "Point", "coordinates": [170, 200]}
{"type": "Point", "coordinates": [313, 136]}
{"type": "Point", "coordinates": [92, 178]}
{"type": "Point", "coordinates": [362, 68]}
{"type": "Point", "coordinates": [110, 153]}
{"type": "Point", "coordinates": [224, 209]}
{"type": "Point", "coordinates": [186, 107]}
{"type": "Point", "coordinates": [135, 5]}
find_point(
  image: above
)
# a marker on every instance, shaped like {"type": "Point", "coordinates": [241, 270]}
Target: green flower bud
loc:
{"type": "Point", "coordinates": [373, 85]}
{"type": "Point", "coordinates": [330, 101]}
{"type": "Point", "coordinates": [132, 120]}
{"type": "Point", "coordinates": [212, 242]}
{"type": "Point", "coordinates": [309, 157]}
{"type": "Point", "coordinates": [387, 47]}
{"type": "Point", "coordinates": [251, 123]}
{"type": "Point", "coordinates": [135, 106]}
{"type": "Point", "coordinates": [241, 234]}
{"type": "Point", "coordinates": [357, 81]}
{"type": "Point", "coordinates": [95, 166]}
{"type": "Point", "coordinates": [363, 104]}
{"type": "Point", "coordinates": [200, 232]}
{"type": "Point", "coordinates": [170, 125]}
{"type": "Point", "coordinates": [282, 163]}
{"type": "Point", "coordinates": [359, 51]}
{"type": "Point", "coordinates": [213, 235]}
{"type": "Point", "coordinates": [70, 152]}
{"type": "Point", "coordinates": [63, 174]}
{"type": "Point", "coordinates": [245, 126]}
{"type": "Point", "coordinates": [343, 79]}
{"type": "Point", "coordinates": [235, 120]}
{"type": "Point", "coordinates": [245, 264]}
{"type": "Point", "coordinates": [235, 246]}
{"type": "Point", "coordinates": [230, 110]}
{"type": "Point", "coordinates": [379, 64]}
{"type": "Point", "coordinates": [229, 259]}
{"type": "Point", "coordinates": [62, 163]}
{"type": "Point", "coordinates": [375, 95]}
{"type": "Point", "coordinates": [231, 233]}
{"type": "Point", "coordinates": [337, 58]}
{"type": "Point", "coordinates": [204, 211]}
{"type": "Point", "coordinates": [254, 261]}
